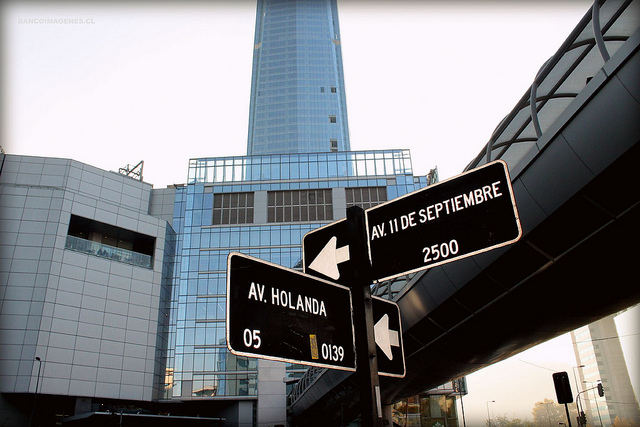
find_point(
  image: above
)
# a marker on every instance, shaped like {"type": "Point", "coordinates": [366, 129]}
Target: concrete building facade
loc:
{"type": "Point", "coordinates": [113, 294]}
{"type": "Point", "coordinates": [601, 360]}
{"type": "Point", "coordinates": [84, 282]}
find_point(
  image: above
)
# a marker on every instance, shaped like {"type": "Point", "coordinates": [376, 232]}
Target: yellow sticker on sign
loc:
{"type": "Point", "coordinates": [314, 346]}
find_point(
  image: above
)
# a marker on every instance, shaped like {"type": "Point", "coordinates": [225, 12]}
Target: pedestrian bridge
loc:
{"type": "Point", "coordinates": [571, 144]}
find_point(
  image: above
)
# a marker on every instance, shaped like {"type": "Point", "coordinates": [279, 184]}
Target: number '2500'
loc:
{"type": "Point", "coordinates": [440, 251]}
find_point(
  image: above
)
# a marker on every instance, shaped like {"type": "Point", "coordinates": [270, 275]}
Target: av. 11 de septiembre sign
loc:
{"type": "Point", "coordinates": [280, 314]}
{"type": "Point", "coordinates": [471, 213]}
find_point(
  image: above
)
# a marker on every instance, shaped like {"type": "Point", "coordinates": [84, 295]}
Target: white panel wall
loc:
{"type": "Point", "coordinates": [92, 321]}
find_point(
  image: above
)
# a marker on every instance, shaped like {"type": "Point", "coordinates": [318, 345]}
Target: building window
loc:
{"type": "Point", "coordinates": [299, 205]}
{"type": "Point", "coordinates": [321, 89]}
{"type": "Point", "coordinates": [332, 119]}
{"type": "Point", "coordinates": [334, 145]}
{"type": "Point", "coordinates": [232, 208]}
{"type": "Point", "coordinates": [108, 241]}
{"type": "Point", "coordinates": [365, 197]}
{"type": "Point", "coordinates": [333, 89]}
{"type": "Point", "coordinates": [434, 410]}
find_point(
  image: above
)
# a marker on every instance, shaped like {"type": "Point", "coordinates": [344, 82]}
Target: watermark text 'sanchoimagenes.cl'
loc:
{"type": "Point", "coordinates": [58, 21]}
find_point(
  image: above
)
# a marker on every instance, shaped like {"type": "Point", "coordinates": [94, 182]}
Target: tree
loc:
{"type": "Point", "coordinates": [504, 421]}
{"type": "Point", "coordinates": [618, 422]}
{"type": "Point", "coordinates": [548, 413]}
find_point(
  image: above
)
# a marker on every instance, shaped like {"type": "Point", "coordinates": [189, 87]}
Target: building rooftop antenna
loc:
{"type": "Point", "coordinates": [134, 172]}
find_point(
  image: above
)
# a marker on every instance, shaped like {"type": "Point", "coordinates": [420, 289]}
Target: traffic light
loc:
{"type": "Point", "coordinates": [600, 390]}
{"type": "Point", "coordinates": [582, 419]}
{"type": "Point", "coordinates": [563, 388]}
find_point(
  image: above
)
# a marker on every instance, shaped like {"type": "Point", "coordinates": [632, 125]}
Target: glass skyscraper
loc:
{"type": "Point", "coordinates": [299, 174]}
{"type": "Point", "coordinates": [297, 87]}
{"type": "Point", "coordinates": [600, 359]}
{"type": "Point", "coordinates": [118, 290]}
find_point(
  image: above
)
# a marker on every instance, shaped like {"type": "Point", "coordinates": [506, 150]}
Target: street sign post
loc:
{"type": "Point", "coordinates": [463, 216]}
{"type": "Point", "coordinates": [359, 278]}
{"type": "Point", "coordinates": [281, 314]}
{"type": "Point", "coordinates": [388, 337]}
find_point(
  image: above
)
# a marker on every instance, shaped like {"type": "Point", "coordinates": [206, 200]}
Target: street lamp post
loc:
{"type": "Point", "coordinates": [35, 396]}
{"type": "Point", "coordinates": [597, 404]}
{"type": "Point", "coordinates": [595, 398]}
{"type": "Point", "coordinates": [488, 414]}
{"type": "Point", "coordinates": [546, 405]}
{"type": "Point", "coordinates": [575, 378]}
{"type": "Point", "coordinates": [587, 391]}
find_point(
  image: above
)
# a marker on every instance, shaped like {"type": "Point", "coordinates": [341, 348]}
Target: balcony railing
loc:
{"type": "Point", "coordinates": [109, 252]}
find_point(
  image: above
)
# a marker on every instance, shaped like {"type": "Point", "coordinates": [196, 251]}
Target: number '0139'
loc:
{"type": "Point", "coordinates": [440, 251]}
{"type": "Point", "coordinates": [332, 352]}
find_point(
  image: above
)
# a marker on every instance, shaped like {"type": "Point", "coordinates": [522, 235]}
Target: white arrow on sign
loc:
{"type": "Point", "coordinates": [385, 337]}
{"type": "Point", "coordinates": [329, 257]}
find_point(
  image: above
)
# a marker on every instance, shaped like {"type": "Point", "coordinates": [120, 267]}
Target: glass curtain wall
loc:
{"type": "Point", "coordinates": [297, 102]}
{"type": "Point", "coordinates": [234, 204]}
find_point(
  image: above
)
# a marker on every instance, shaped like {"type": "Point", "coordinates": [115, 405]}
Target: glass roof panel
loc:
{"type": "Point", "coordinates": [565, 63]}
{"type": "Point", "coordinates": [626, 24]}
{"type": "Point", "coordinates": [551, 111]}
{"type": "Point", "coordinates": [561, 79]}
{"type": "Point", "coordinates": [513, 127]}
{"type": "Point", "coordinates": [516, 152]}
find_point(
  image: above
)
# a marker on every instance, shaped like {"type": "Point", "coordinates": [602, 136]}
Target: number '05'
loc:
{"type": "Point", "coordinates": [252, 338]}
{"type": "Point", "coordinates": [440, 251]}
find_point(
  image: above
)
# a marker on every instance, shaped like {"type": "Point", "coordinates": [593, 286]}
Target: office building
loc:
{"type": "Point", "coordinates": [260, 206]}
{"type": "Point", "coordinates": [600, 359]}
{"type": "Point", "coordinates": [114, 293]}
{"type": "Point", "coordinates": [122, 310]}
{"type": "Point", "coordinates": [84, 288]}
{"type": "Point", "coordinates": [298, 102]}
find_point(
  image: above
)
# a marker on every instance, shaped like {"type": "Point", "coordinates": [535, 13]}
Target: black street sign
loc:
{"type": "Point", "coordinates": [463, 216]}
{"type": "Point", "coordinates": [322, 258]}
{"type": "Point", "coordinates": [280, 314]}
{"type": "Point", "coordinates": [466, 215]}
{"type": "Point", "coordinates": [388, 337]}
{"type": "Point", "coordinates": [326, 254]}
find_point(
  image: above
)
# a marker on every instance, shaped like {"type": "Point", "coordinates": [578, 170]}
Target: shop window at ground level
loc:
{"type": "Point", "coordinates": [422, 411]}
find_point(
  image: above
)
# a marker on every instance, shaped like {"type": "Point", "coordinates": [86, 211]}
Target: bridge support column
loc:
{"type": "Point", "coordinates": [387, 415]}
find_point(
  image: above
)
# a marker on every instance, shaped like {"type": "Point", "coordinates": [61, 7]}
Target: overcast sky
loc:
{"type": "Point", "coordinates": [165, 82]}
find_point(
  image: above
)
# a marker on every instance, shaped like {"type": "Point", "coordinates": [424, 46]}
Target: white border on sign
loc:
{"type": "Point", "coordinates": [282, 359]}
{"type": "Point", "coordinates": [404, 365]}
{"type": "Point", "coordinates": [448, 260]}
{"type": "Point", "coordinates": [304, 261]}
